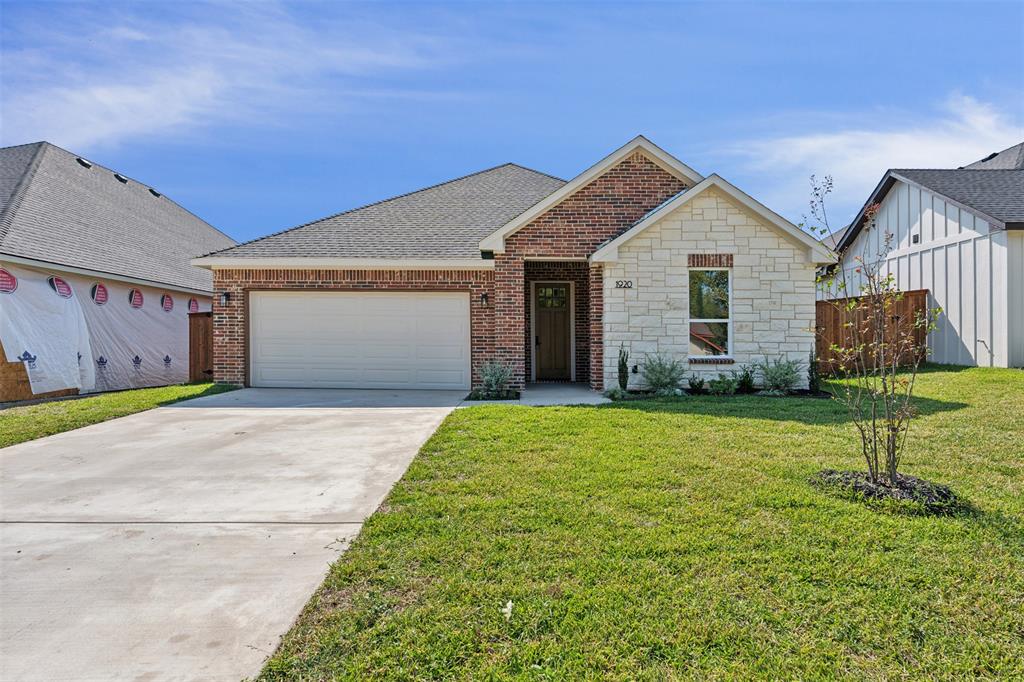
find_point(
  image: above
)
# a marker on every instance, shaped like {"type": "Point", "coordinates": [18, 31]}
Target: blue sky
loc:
{"type": "Point", "coordinates": [261, 116]}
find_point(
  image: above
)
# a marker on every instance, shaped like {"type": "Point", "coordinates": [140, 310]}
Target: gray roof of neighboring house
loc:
{"type": "Point", "coordinates": [997, 193]}
{"type": "Point", "coordinates": [56, 210]}
{"type": "Point", "coordinates": [443, 221]}
{"type": "Point", "coordinates": [832, 240]}
{"type": "Point", "coordinates": [1011, 158]}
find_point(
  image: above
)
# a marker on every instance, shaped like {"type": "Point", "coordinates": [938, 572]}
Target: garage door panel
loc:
{"type": "Point", "coordinates": [359, 339]}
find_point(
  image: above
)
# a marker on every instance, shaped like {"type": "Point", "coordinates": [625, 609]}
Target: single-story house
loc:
{"type": "Point", "coordinates": [512, 265]}
{"type": "Point", "coordinates": [959, 233]}
{"type": "Point", "coordinates": [95, 280]}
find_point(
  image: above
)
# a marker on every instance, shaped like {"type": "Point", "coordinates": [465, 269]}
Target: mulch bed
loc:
{"type": "Point", "coordinates": [910, 492]}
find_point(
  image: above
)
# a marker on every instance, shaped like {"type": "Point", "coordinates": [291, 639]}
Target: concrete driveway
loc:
{"type": "Point", "coordinates": [182, 542]}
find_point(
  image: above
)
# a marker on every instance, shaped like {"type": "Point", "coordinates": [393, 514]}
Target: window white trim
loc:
{"type": "Point", "coordinates": [691, 320]}
{"type": "Point", "coordinates": [533, 327]}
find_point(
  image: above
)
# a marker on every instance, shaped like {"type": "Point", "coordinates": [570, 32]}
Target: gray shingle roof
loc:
{"type": "Point", "coordinates": [54, 209]}
{"type": "Point", "coordinates": [832, 240]}
{"type": "Point", "coordinates": [1011, 158]}
{"type": "Point", "coordinates": [443, 221]}
{"type": "Point", "coordinates": [998, 193]}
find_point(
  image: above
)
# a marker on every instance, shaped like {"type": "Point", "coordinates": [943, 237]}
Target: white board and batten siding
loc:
{"type": "Point", "coordinates": [968, 267]}
{"type": "Point", "coordinates": [359, 339]}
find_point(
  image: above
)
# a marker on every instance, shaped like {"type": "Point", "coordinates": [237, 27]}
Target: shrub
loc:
{"type": "Point", "coordinates": [779, 376]}
{"type": "Point", "coordinates": [661, 372]}
{"type": "Point", "coordinates": [616, 394]}
{"type": "Point", "coordinates": [669, 392]}
{"type": "Point", "coordinates": [723, 385]}
{"type": "Point", "coordinates": [494, 381]}
{"type": "Point", "coordinates": [696, 384]}
{"type": "Point", "coordinates": [623, 367]}
{"type": "Point", "coordinates": [745, 380]}
{"type": "Point", "coordinates": [813, 375]}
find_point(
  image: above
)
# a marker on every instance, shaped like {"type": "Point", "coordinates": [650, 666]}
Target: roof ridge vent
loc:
{"type": "Point", "coordinates": [83, 162]}
{"type": "Point", "coordinates": [154, 192]}
{"type": "Point", "coordinates": [121, 178]}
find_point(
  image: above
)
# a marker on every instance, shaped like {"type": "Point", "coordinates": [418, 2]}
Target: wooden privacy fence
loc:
{"type": "Point", "coordinates": [832, 320]}
{"type": "Point", "coordinates": [200, 346]}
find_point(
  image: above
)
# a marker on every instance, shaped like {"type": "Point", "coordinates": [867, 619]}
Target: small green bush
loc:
{"type": "Point", "coordinates": [745, 380]}
{"type": "Point", "coordinates": [616, 394]}
{"type": "Point", "coordinates": [623, 367]}
{"type": "Point", "coordinates": [779, 376]}
{"type": "Point", "coordinates": [661, 372]}
{"type": "Point", "coordinates": [494, 382]}
{"type": "Point", "coordinates": [813, 374]}
{"type": "Point", "coordinates": [725, 384]}
{"type": "Point", "coordinates": [695, 383]}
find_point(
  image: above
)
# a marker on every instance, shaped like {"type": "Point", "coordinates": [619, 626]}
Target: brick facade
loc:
{"type": "Point", "coordinates": [230, 324]}
{"type": "Point", "coordinates": [573, 229]}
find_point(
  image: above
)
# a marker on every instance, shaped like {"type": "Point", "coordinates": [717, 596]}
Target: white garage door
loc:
{"type": "Point", "coordinates": [336, 339]}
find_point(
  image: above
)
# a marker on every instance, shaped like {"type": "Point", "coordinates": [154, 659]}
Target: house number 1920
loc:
{"type": "Point", "coordinates": [623, 284]}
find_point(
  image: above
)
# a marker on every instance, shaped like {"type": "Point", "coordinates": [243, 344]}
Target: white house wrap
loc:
{"type": "Point", "coordinates": [95, 339]}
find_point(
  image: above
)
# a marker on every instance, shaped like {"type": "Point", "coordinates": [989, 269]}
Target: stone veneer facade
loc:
{"type": "Point", "coordinates": [773, 282]}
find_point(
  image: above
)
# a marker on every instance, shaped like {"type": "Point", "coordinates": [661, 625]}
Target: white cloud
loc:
{"type": "Point", "coordinates": [102, 80]}
{"type": "Point", "coordinates": [964, 130]}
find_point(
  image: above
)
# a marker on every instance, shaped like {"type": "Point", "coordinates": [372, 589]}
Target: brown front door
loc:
{"type": "Point", "coordinates": [551, 343]}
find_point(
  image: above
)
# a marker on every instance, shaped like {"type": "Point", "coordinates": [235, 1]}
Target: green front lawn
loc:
{"type": "Point", "coordinates": [19, 424]}
{"type": "Point", "coordinates": [680, 539]}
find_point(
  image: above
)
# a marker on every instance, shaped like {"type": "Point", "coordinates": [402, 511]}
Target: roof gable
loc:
{"type": "Point", "coordinates": [818, 253]}
{"type": "Point", "coordinates": [496, 241]}
{"type": "Point", "coordinates": [996, 196]}
{"type": "Point", "coordinates": [65, 211]}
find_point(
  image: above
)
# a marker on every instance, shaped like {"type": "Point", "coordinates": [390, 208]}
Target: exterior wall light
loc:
{"type": "Point", "coordinates": [225, 296]}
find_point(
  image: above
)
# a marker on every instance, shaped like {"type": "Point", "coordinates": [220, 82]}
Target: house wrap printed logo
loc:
{"type": "Point", "coordinates": [193, 305]}
{"type": "Point", "coordinates": [135, 298]}
{"type": "Point", "coordinates": [167, 303]}
{"type": "Point", "coordinates": [8, 282]}
{"type": "Point", "coordinates": [62, 288]}
{"type": "Point", "coordinates": [98, 293]}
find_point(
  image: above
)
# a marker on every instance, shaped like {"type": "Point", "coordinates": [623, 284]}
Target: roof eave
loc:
{"type": "Point", "coordinates": [333, 263]}
{"type": "Point", "coordinates": [100, 274]}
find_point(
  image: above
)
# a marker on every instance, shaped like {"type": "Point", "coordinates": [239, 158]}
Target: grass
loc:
{"type": "Point", "coordinates": [28, 422]}
{"type": "Point", "coordinates": [681, 539]}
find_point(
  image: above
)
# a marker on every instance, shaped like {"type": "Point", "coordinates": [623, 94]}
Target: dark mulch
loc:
{"type": "Point", "coordinates": [910, 493]}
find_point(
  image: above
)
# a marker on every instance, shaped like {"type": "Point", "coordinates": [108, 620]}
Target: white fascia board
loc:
{"type": "Point", "coordinates": [496, 240]}
{"type": "Point", "coordinates": [57, 268]}
{"type": "Point", "coordinates": [820, 255]}
{"type": "Point", "coordinates": [229, 263]}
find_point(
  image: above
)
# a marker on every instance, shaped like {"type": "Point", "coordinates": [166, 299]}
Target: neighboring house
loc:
{"type": "Point", "coordinates": [515, 266]}
{"type": "Point", "coordinates": [959, 233]}
{"type": "Point", "coordinates": [95, 280]}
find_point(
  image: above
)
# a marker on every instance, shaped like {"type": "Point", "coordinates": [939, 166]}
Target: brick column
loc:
{"type": "Point", "coordinates": [510, 315]}
{"type": "Point", "coordinates": [596, 327]}
{"type": "Point", "coordinates": [228, 328]}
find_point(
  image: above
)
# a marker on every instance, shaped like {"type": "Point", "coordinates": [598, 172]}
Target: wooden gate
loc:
{"type": "Point", "coordinates": [832, 320]}
{"type": "Point", "coordinates": [200, 346]}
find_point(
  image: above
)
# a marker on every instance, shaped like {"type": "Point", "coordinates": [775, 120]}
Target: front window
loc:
{"type": "Point", "coordinates": [710, 324]}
